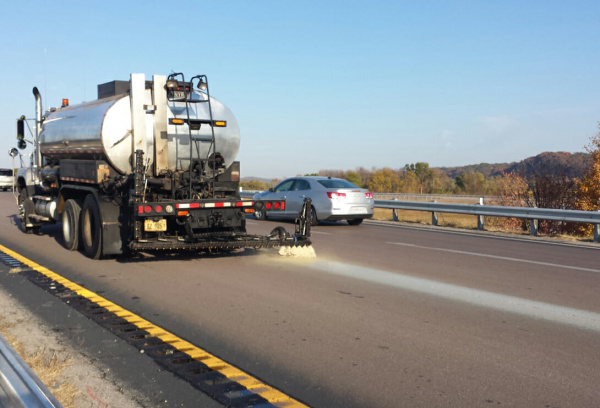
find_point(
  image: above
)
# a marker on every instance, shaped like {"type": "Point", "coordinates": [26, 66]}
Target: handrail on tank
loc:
{"type": "Point", "coordinates": [203, 86]}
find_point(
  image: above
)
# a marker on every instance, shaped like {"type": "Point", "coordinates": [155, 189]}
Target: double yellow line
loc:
{"type": "Point", "coordinates": [234, 374]}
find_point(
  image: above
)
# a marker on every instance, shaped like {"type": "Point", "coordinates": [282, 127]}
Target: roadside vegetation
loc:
{"type": "Point", "coordinates": [47, 365]}
{"type": "Point", "coordinates": [558, 180]}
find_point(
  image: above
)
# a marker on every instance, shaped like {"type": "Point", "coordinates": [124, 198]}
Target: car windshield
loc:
{"type": "Point", "coordinates": [336, 183]}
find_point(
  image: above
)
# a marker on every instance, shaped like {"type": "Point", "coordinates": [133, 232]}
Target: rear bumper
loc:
{"type": "Point", "coordinates": [340, 217]}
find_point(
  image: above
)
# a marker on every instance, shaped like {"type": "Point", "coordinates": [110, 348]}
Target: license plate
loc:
{"type": "Point", "coordinates": [178, 94]}
{"type": "Point", "coordinates": [155, 226]}
{"type": "Point", "coordinates": [358, 210]}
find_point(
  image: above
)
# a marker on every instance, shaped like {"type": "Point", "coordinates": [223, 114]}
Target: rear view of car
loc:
{"type": "Point", "coordinates": [345, 201]}
{"type": "Point", "coordinates": [6, 179]}
{"type": "Point", "coordinates": [333, 199]}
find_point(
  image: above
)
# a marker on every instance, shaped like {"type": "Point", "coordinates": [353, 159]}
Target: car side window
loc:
{"type": "Point", "coordinates": [301, 185]}
{"type": "Point", "coordinates": [284, 185]}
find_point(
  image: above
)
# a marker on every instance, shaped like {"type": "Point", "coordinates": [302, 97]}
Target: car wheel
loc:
{"type": "Point", "coordinates": [313, 217]}
{"type": "Point", "coordinates": [260, 215]}
{"type": "Point", "coordinates": [356, 221]}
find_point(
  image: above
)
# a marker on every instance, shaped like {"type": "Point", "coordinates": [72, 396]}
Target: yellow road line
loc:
{"type": "Point", "coordinates": [234, 374]}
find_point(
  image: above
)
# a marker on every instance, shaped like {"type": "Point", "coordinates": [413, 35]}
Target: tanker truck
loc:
{"type": "Point", "coordinates": [148, 166]}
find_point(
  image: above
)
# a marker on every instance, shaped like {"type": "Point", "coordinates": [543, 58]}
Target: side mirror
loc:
{"type": "Point", "coordinates": [21, 133]}
{"type": "Point", "coordinates": [272, 190]}
{"type": "Point", "coordinates": [13, 152]}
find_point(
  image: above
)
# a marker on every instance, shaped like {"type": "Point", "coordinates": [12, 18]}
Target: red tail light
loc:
{"type": "Point", "coordinates": [368, 195]}
{"type": "Point", "coordinates": [334, 196]}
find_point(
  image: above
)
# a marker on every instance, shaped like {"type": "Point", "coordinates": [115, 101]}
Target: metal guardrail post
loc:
{"type": "Point", "coordinates": [434, 217]}
{"type": "Point", "coordinates": [533, 229]}
{"type": "Point", "coordinates": [480, 223]}
{"type": "Point", "coordinates": [395, 212]}
{"type": "Point", "coordinates": [596, 233]}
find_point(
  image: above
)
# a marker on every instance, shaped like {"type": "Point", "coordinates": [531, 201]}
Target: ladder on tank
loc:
{"type": "Point", "coordinates": [174, 96]}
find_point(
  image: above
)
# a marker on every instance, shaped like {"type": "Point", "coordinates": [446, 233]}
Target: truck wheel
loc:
{"type": "Point", "coordinates": [70, 224]}
{"type": "Point", "coordinates": [91, 231]}
{"type": "Point", "coordinates": [25, 207]}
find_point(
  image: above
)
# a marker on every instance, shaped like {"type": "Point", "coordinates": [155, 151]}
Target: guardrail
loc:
{"type": "Point", "coordinates": [479, 210]}
{"type": "Point", "coordinates": [19, 386]}
{"type": "Point", "coordinates": [464, 198]}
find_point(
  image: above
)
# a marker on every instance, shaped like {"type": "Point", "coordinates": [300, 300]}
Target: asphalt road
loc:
{"type": "Point", "coordinates": [385, 316]}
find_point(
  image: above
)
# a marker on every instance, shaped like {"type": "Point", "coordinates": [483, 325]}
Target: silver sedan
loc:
{"type": "Point", "coordinates": [333, 199]}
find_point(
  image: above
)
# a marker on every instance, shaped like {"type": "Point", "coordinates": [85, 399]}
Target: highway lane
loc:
{"type": "Point", "coordinates": [384, 317]}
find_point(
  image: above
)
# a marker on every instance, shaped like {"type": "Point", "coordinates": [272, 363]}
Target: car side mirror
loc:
{"type": "Point", "coordinates": [272, 190]}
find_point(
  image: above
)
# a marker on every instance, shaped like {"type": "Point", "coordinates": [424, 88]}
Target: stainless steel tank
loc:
{"type": "Point", "coordinates": [101, 130]}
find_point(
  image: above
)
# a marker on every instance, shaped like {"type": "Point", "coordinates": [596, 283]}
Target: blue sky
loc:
{"type": "Point", "coordinates": [330, 85]}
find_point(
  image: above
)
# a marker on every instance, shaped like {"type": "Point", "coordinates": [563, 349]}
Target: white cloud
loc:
{"type": "Point", "coordinates": [446, 137]}
{"type": "Point", "coordinates": [498, 125]}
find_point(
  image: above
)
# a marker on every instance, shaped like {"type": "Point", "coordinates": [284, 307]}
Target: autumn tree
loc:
{"type": "Point", "coordinates": [588, 189]}
{"type": "Point", "coordinates": [384, 181]}
{"type": "Point", "coordinates": [422, 171]}
{"type": "Point", "coordinates": [471, 183]}
{"type": "Point", "coordinates": [512, 191]}
{"type": "Point", "coordinates": [354, 178]}
{"type": "Point", "coordinates": [440, 182]}
{"type": "Point", "coordinates": [254, 185]}
{"type": "Point", "coordinates": [410, 182]}
{"type": "Point", "coordinates": [558, 192]}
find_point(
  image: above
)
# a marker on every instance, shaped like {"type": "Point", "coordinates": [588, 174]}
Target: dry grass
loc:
{"type": "Point", "coordinates": [47, 365]}
{"type": "Point", "coordinates": [423, 217]}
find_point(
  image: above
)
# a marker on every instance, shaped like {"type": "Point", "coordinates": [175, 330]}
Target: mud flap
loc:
{"type": "Point", "coordinates": [113, 232]}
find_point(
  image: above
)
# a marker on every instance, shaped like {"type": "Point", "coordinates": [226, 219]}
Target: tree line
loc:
{"type": "Point", "coordinates": [413, 178]}
{"type": "Point", "coordinates": [546, 181]}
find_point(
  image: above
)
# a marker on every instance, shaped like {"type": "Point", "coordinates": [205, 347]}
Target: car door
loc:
{"type": "Point", "coordinates": [280, 192]}
{"type": "Point", "coordinates": [296, 195]}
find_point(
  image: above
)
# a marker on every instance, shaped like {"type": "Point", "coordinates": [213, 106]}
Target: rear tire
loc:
{"type": "Point", "coordinates": [91, 228]}
{"type": "Point", "coordinates": [356, 221]}
{"type": "Point", "coordinates": [70, 224]}
{"type": "Point", "coordinates": [313, 217]}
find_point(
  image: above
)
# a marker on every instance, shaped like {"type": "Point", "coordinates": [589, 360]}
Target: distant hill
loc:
{"type": "Point", "coordinates": [486, 169]}
{"type": "Point", "coordinates": [573, 165]}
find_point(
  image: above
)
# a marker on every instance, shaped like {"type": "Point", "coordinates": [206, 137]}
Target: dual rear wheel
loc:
{"type": "Point", "coordinates": [82, 226]}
